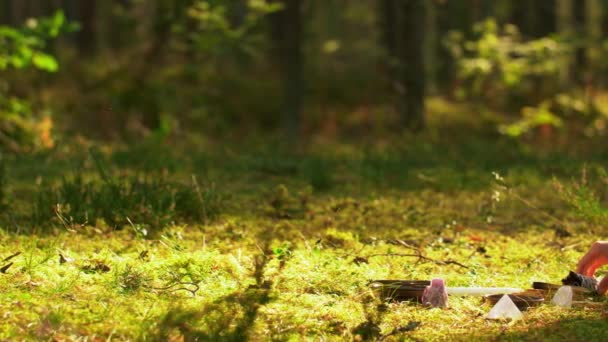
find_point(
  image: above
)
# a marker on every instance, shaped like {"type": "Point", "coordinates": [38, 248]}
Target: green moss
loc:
{"type": "Point", "coordinates": [287, 261]}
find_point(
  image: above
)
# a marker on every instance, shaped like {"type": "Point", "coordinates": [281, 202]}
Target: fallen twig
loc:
{"type": "Point", "coordinates": [418, 254]}
{"type": "Point", "coordinates": [420, 257]}
{"type": "Point", "coordinates": [412, 325]}
{"type": "Point", "coordinates": [11, 256]}
{"type": "Point", "coordinates": [172, 287]}
{"type": "Point", "coordinates": [5, 267]}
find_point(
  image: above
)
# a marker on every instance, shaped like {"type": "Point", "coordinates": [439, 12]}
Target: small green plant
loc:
{"type": "Point", "coordinates": [145, 202]}
{"type": "Point", "coordinates": [198, 203]}
{"type": "Point", "coordinates": [282, 252]}
{"type": "Point", "coordinates": [130, 279]}
{"type": "Point", "coordinates": [583, 196]}
{"type": "Point", "coordinates": [141, 201]}
{"type": "Point", "coordinates": [533, 116]}
{"type": "Point", "coordinates": [284, 205]}
{"type": "Point", "coordinates": [318, 173]}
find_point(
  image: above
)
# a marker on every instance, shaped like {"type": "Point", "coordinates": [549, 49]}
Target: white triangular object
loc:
{"type": "Point", "coordinates": [563, 297]}
{"type": "Point", "coordinates": [504, 309]}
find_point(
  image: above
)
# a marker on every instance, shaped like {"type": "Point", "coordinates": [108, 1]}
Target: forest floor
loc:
{"type": "Point", "coordinates": [282, 247]}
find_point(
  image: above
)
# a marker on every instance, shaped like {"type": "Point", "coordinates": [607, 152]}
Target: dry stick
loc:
{"type": "Point", "coordinates": [421, 257]}
{"type": "Point", "coordinates": [418, 255]}
{"type": "Point", "coordinates": [11, 256]}
{"type": "Point", "coordinates": [5, 268]}
{"type": "Point", "coordinates": [171, 287]}
{"type": "Point", "coordinates": [412, 325]}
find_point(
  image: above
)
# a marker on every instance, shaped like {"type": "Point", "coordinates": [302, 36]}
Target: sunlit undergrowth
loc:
{"type": "Point", "coordinates": [289, 250]}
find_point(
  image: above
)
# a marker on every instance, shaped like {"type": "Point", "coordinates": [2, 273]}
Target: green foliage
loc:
{"type": "Point", "coordinates": [504, 71]}
{"type": "Point", "coordinates": [148, 202]}
{"type": "Point", "coordinates": [319, 174]}
{"type": "Point", "coordinates": [25, 48]}
{"type": "Point", "coordinates": [197, 203]}
{"type": "Point", "coordinates": [497, 64]}
{"type": "Point", "coordinates": [585, 195]}
{"type": "Point", "coordinates": [532, 117]}
{"type": "Point", "coordinates": [216, 34]}
{"type": "Point", "coordinates": [303, 272]}
{"type": "Point", "coordinates": [282, 252]}
{"type": "Point", "coordinates": [131, 279]}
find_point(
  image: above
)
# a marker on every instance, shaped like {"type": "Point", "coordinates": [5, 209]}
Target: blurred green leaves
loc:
{"type": "Point", "coordinates": [532, 117]}
{"type": "Point", "coordinates": [498, 67]}
{"type": "Point", "coordinates": [25, 46]}
{"type": "Point", "coordinates": [215, 31]}
{"type": "Point", "coordinates": [498, 61]}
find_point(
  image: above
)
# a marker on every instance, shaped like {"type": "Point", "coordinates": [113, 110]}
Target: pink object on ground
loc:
{"type": "Point", "coordinates": [435, 295]}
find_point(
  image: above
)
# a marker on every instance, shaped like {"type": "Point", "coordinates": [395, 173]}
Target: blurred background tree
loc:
{"type": "Point", "coordinates": [300, 68]}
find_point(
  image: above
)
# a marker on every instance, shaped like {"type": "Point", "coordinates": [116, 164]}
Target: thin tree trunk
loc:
{"type": "Point", "coordinates": [534, 18]}
{"type": "Point", "coordinates": [565, 29]}
{"type": "Point", "coordinates": [389, 25]}
{"type": "Point", "coordinates": [238, 13]}
{"type": "Point", "coordinates": [593, 29]}
{"type": "Point", "coordinates": [87, 36]}
{"type": "Point", "coordinates": [5, 13]}
{"type": "Point", "coordinates": [580, 58]}
{"type": "Point", "coordinates": [431, 45]}
{"type": "Point", "coordinates": [163, 16]}
{"type": "Point", "coordinates": [403, 25]}
{"type": "Point", "coordinates": [287, 31]}
{"type": "Point", "coordinates": [18, 12]}
{"type": "Point", "coordinates": [412, 87]}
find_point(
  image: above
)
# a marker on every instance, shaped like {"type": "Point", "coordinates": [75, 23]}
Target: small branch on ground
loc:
{"type": "Point", "coordinates": [11, 256]}
{"type": "Point", "coordinates": [420, 258]}
{"type": "Point", "coordinates": [178, 285]}
{"type": "Point", "coordinates": [5, 268]}
{"type": "Point", "coordinates": [417, 254]}
{"type": "Point", "coordinates": [411, 326]}
{"type": "Point", "coordinates": [173, 287]}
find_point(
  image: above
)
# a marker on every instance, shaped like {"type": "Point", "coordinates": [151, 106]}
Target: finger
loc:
{"type": "Point", "coordinates": [602, 287]}
{"type": "Point", "coordinates": [588, 264]}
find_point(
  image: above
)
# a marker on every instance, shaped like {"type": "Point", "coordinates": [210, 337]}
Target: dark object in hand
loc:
{"type": "Point", "coordinates": [576, 279]}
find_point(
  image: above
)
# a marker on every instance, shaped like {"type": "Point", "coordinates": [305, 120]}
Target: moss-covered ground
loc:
{"type": "Point", "coordinates": [282, 246]}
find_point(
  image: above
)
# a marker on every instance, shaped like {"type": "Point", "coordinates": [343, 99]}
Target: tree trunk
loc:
{"type": "Point", "coordinates": [18, 13]}
{"type": "Point", "coordinates": [5, 13]}
{"type": "Point", "coordinates": [237, 13]}
{"type": "Point", "coordinates": [431, 45]}
{"type": "Point", "coordinates": [534, 18]}
{"type": "Point", "coordinates": [287, 31]}
{"type": "Point", "coordinates": [403, 24]}
{"type": "Point", "coordinates": [412, 60]}
{"type": "Point", "coordinates": [565, 29]}
{"type": "Point", "coordinates": [389, 26]}
{"type": "Point", "coordinates": [595, 14]}
{"type": "Point", "coordinates": [87, 36]}
{"type": "Point", "coordinates": [580, 58]}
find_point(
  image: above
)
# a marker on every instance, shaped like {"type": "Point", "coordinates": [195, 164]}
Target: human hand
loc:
{"type": "Point", "coordinates": [596, 257]}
